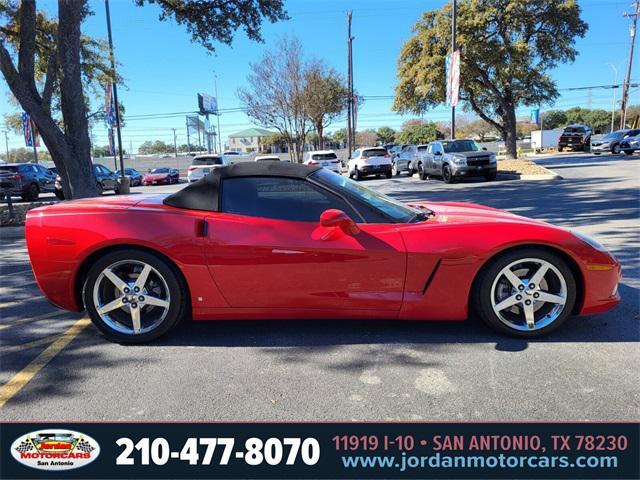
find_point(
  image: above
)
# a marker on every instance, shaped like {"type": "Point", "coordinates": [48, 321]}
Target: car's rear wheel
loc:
{"type": "Point", "coordinates": [394, 169]}
{"type": "Point", "coordinates": [358, 175]}
{"type": "Point", "coordinates": [628, 152]}
{"type": "Point", "coordinates": [32, 193]}
{"type": "Point", "coordinates": [388, 175]}
{"type": "Point", "coordinates": [491, 177]}
{"type": "Point", "coordinates": [560, 149]}
{"type": "Point", "coordinates": [527, 292]}
{"type": "Point", "coordinates": [447, 176]}
{"type": "Point", "coordinates": [133, 296]}
{"type": "Point", "coordinates": [422, 172]}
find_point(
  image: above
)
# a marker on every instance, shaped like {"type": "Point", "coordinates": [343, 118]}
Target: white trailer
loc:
{"type": "Point", "coordinates": [543, 139]}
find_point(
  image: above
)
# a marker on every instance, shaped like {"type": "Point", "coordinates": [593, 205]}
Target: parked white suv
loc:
{"type": "Point", "coordinates": [201, 165]}
{"type": "Point", "coordinates": [369, 161]}
{"type": "Point", "coordinates": [324, 158]}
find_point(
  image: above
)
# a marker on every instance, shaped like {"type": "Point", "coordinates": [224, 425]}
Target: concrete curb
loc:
{"type": "Point", "coordinates": [11, 232]}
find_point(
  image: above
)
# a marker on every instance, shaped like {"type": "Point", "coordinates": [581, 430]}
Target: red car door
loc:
{"type": "Point", "coordinates": [261, 262]}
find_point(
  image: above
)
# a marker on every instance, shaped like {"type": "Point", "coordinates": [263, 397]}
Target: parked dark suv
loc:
{"type": "Point", "coordinates": [27, 180]}
{"type": "Point", "coordinates": [106, 179]}
{"type": "Point", "coordinates": [575, 137]}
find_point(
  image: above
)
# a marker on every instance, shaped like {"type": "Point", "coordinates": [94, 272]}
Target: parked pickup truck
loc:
{"type": "Point", "coordinates": [575, 137]}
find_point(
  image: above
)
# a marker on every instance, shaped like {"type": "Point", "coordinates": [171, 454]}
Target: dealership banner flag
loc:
{"type": "Point", "coordinates": [110, 107]}
{"type": "Point", "coordinates": [534, 116]}
{"type": "Point", "coordinates": [31, 136]}
{"type": "Point", "coordinates": [112, 143]}
{"type": "Point", "coordinates": [452, 69]}
{"type": "Point", "coordinates": [320, 450]}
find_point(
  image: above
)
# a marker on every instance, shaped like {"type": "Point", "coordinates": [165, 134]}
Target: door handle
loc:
{"type": "Point", "coordinates": [202, 228]}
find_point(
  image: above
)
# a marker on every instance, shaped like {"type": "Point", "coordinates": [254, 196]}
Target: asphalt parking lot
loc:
{"type": "Point", "coordinates": [55, 365]}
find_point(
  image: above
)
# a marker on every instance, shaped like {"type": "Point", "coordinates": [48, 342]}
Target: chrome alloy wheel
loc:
{"type": "Point", "coordinates": [528, 294]}
{"type": "Point", "coordinates": [131, 297]}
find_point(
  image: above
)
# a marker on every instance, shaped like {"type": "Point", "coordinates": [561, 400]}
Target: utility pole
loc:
{"type": "Point", "coordinates": [175, 142]}
{"type": "Point", "coordinates": [350, 132]}
{"type": "Point", "coordinates": [625, 86]}
{"type": "Point", "coordinates": [123, 186]}
{"type": "Point", "coordinates": [6, 142]}
{"type": "Point", "coordinates": [215, 87]}
{"type": "Point", "coordinates": [453, 49]}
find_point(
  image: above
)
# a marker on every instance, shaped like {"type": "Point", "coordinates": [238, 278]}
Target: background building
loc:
{"type": "Point", "coordinates": [248, 141]}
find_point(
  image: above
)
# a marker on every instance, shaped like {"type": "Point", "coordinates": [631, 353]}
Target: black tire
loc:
{"type": "Point", "coordinates": [615, 149]}
{"type": "Point", "coordinates": [388, 175]}
{"type": "Point", "coordinates": [491, 177]}
{"type": "Point", "coordinates": [32, 193]}
{"type": "Point", "coordinates": [560, 148]}
{"type": "Point", "coordinates": [481, 294]}
{"type": "Point", "coordinates": [422, 174]}
{"type": "Point", "coordinates": [628, 152]}
{"type": "Point", "coordinates": [447, 176]}
{"type": "Point", "coordinates": [358, 175]}
{"type": "Point", "coordinates": [59, 194]}
{"type": "Point", "coordinates": [394, 169]}
{"type": "Point", "coordinates": [178, 291]}
{"type": "Point", "coordinates": [99, 188]}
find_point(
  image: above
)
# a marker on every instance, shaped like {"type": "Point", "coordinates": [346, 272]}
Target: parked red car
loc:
{"type": "Point", "coordinates": [287, 241]}
{"type": "Point", "coordinates": [161, 176]}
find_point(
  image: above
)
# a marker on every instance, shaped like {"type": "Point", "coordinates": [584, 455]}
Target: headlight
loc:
{"type": "Point", "coordinates": [590, 241]}
{"type": "Point", "coordinates": [459, 161]}
{"type": "Point", "coordinates": [492, 158]}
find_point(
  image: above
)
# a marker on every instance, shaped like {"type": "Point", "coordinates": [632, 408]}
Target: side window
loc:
{"type": "Point", "coordinates": [279, 198]}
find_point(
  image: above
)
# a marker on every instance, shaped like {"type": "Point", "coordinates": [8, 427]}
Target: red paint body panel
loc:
{"type": "Point", "coordinates": [249, 268]}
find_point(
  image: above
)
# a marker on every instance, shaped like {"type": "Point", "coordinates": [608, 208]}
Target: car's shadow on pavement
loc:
{"type": "Point", "coordinates": [609, 327]}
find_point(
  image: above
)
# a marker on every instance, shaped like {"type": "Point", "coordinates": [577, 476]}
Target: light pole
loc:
{"type": "Point", "coordinates": [615, 86]}
{"type": "Point", "coordinates": [123, 186]}
{"type": "Point", "coordinates": [453, 49]}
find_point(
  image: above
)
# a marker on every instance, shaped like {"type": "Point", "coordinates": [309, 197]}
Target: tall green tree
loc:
{"type": "Point", "coordinates": [325, 97]}
{"type": "Point", "coordinates": [386, 135]}
{"type": "Point", "coordinates": [507, 48]}
{"type": "Point", "coordinates": [208, 21]}
{"type": "Point", "coordinates": [418, 133]}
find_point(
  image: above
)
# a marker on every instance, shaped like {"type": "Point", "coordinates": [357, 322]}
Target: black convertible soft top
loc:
{"type": "Point", "coordinates": [203, 194]}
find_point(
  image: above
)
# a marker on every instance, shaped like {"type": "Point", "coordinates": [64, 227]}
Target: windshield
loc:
{"type": "Point", "coordinates": [458, 146]}
{"type": "Point", "coordinates": [207, 161]}
{"type": "Point", "coordinates": [574, 130]}
{"type": "Point", "coordinates": [614, 135]}
{"type": "Point", "coordinates": [324, 156]}
{"type": "Point", "coordinates": [374, 152]}
{"type": "Point", "coordinates": [160, 170]}
{"type": "Point", "coordinates": [390, 207]}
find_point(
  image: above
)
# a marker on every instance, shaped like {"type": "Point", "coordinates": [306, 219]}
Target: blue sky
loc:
{"type": "Point", "coordinates": [163, 70]}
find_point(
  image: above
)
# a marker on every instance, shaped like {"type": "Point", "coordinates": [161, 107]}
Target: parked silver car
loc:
{"type": "Point", "coordinates": [407, 159]}
{"type": "Point", "coordinates": [611, 142]}
{"type": "Point", "coordinates": [456, 159]}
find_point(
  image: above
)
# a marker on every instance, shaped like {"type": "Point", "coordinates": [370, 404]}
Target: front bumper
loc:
{"type": "Point", "coordinates": [602, 148]}
{"type": "Point", "coordinates": [474, 170]}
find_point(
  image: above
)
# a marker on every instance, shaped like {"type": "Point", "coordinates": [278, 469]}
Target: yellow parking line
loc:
{"type": "Point", "coordinates": [13, 386]}
{"type": "Point", "coordinates": [27, 320]}
{"type": "Point", "coordinates": [28, 345]}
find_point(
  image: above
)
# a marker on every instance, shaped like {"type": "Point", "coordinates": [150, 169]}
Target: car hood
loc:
{"type": "Point", "coordinates": [459, 212]}
{"type": "Point", "coordinates": [467, 155]}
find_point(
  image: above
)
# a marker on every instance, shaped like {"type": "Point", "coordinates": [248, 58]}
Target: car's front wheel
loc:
{"type": "Point", "coordinates": [527, 292]}
{"type": "Point", "coordinates": [422, 174]}
{"type": "Point", "coordinates": [133, 296]}
{"type": "Point", "coordinates": [447, 176]}
{"type": "Point", "coordinates": [615, 149]}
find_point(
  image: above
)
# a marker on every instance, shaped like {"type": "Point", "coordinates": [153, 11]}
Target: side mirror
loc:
{"type": "Point", "coordinates": [334, 218]}
{"type": "Point", "coordinates": [484, 148]}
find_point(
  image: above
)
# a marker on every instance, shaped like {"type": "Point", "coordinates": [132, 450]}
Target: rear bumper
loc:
{"type": "Point", "coordinates": [571, 144]}
{"type": "Point", "coordinates": [374, 169]}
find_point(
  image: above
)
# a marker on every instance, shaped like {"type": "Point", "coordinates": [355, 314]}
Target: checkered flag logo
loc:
{"type": "Point", "coordinates": [25, 446]}
{"type": "Point", "coordinates": [84, 446]}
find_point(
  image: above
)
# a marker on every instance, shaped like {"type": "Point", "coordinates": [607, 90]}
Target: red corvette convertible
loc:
{"type": "Point", "coordinates": [282, 241]}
